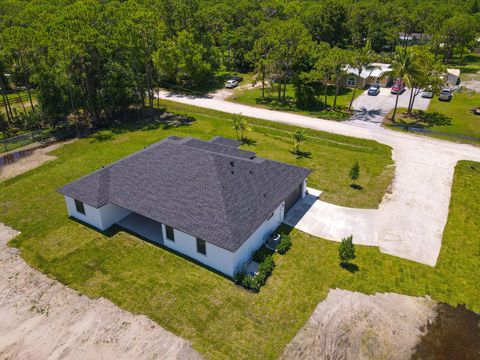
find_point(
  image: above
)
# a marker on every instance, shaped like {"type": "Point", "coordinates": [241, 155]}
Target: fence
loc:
{"type": "Point", "coordinates": [422, 130]}
{"type": "Point", "coordinates": [36, 136]}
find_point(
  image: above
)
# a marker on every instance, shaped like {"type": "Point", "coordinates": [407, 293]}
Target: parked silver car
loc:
{"type": "Point", "coordinates": [445, 95]}
{"type": "Point", "coordinates": [427, 94]}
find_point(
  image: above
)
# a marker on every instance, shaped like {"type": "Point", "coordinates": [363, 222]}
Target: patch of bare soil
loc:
{"type": "Point", "coordinates": [472, 84]}
{"type": "Point", "coordinates": [352, 325]}
{"type": "Point", "coordinates": [42, 319]}
{"type": "Point", "coordinates": [37, 158]}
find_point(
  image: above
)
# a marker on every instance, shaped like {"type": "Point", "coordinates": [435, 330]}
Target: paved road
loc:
{"type": "Point", "coordinates": [412, 216]}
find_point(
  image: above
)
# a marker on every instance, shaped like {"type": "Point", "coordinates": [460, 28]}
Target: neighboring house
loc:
{"type": "Point", "coordinates": [452, 77]}
{"type": "Point", "coordinates": [413, 38]}
{"type": "Point", "coordinates": [376, 73]}
{"type": "Point", "coordinates": [208, 200]}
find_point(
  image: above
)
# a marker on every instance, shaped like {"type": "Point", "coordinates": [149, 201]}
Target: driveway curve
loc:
{"type": "Point", "coordinates": [332, 222]}
{"type": "Point", "coordinates": [412, 216]}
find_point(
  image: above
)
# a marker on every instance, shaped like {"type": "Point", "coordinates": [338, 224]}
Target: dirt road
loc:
{"type": "Point", "coordinates": [411, 219]}
{"type": "Point", "coordinates": [42, 319]}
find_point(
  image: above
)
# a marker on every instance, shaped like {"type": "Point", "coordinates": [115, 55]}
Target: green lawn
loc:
{"type": "Point", "coordinates": [253, 97]}
{"type": "Point", "coordinates": [464, 122]}
{"type": "Point", "coordinates": [464, 125]}
{"type": "Point", "coordinates": [221, 319]}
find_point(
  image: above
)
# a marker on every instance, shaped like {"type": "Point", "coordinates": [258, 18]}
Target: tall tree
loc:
{"type": "Point", "coordinates": [139, 32]}
{"type": "Point", "coordinates": [290, 45]}
{"type": "Point", "coordinates": [403, 67]}
{"type": "Point", "coordinates": [426, 73]}
{"type": "Point", "coordinates": [360, 60]}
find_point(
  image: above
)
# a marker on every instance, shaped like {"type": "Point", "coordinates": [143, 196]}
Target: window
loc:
{"type": "Point", "coordinates": [201, 246]}
{"type": "Point", "coordinates": [170, 233]}
{"type": "Point", "coordinates": [79, 206]}
{"type": "Point", "coordinates": [351, 81]}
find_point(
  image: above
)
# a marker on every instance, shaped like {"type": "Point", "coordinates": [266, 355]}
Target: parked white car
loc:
{"type": "Point", "coordinates": [230, 84]}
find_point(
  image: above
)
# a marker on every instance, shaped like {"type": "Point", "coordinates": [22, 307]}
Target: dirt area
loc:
{"type": "Point", "coordinates": [42, 319]}
{"type": "Point", "coordinates": [37, 158]}
{"type": "Point", "coordinates": [472, 85]}
{"type": "Point", "coordinates": [351, 325]}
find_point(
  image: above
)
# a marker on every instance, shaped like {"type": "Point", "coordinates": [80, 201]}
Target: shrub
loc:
{"type": "Point", "coordinates": [284, 244]}
{"type": "Point", "coordinates": [261, 254]}
{"type": "Point", "coordinates": [346, 251]}
{"type": "Point", "coordinates": [254, 283]}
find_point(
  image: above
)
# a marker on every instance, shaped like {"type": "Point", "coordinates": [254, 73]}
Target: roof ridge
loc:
{"type": "Point", "coordinates": [219, 186]}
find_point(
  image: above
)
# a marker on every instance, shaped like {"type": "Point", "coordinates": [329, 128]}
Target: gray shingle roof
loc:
{"type": "Point", "coordinates": [206, 191]}
{"type": "Point", "coordinates": [226, 141]}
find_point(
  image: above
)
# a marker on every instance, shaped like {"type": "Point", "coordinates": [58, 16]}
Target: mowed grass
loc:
{"type": "Point", "coordinates": [464, 125]}
{"type": "Point", "coordinates": [221, 319]}
{"type": "Point", "coordinates": [464, 121]}
{"type": "Point", "coordinates": [253, 97]}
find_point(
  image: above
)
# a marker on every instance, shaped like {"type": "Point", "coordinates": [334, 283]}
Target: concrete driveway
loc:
{"type": "Point", "coordinates": [412, 216]}
{"type": "Point", "coordinates": [333, 222]}
{"type": "Point", "coordinates": [372, 109]}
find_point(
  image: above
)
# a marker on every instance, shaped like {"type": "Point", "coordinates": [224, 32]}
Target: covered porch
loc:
{"type": "Point", "coordinates": [145, 227]}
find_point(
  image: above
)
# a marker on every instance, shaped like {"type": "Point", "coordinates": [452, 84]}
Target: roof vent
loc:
{"type": "Point", "coordinates": [233, 172]}
{"type": "Point", "coordinates": [250, 171]}
{"type": "Point", "coordinates": [232, 163]}
{"type": "Point", "coordinates": [264, 195]}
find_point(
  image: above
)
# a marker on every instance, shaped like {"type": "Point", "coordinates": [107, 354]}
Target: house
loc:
{"type": "Point", "coordinates": [412, 38]}
{"type": "Point", "coordinates": [452, 77]}
{"type": "Point", "coordinates": [208, 200]}
{"type": "Point", "coordinates": [375, 73]}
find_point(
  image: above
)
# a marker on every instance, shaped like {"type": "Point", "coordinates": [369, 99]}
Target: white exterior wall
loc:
{"type": "Point", "coordinates": [255, 241]}
{"type": "Point", "coordinates": [215, 257]}
{"type": "Point", "coordinates": [304, 188]}
{"type": "Point", "coordinates": [101, 218]}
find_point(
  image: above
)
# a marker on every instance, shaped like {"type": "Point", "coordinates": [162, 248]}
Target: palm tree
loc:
{"type": "Point", "coordinates": [360, 61]}
{"type": "Point", "coordinates": [298, 137]}
{"type": "Point", "coordinates": [240, 125]}
{"type": "Point", "coordinates": [403, 67]}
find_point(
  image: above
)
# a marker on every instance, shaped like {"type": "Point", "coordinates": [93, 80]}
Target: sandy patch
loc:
{"type": "Point", "coordinates": [352, 325]}
{"type": "Point", "coordinates": [38, 157]}
{"type": "Point", "coordinates": [472, 84]}
{"type": "Point", "coordinates": [42, 319]}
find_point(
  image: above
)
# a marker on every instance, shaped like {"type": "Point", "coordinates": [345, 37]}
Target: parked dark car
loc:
{"type": "Point", "coordinates": [445, 95]}
{"type": "Point", "coordinates": [374, 90]}
{"type": "Point", "coordinates": [398, 87]}
{"type": "Point", "coordinates": [237, 78]}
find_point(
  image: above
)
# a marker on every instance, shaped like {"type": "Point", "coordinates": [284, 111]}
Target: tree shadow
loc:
{"type": "Point", "coordinates": [302, 154]}
{"type": "Point", "coordinates": [350, 267]}
{"type": "Point", "coordinates": [356, 187]}
{"type": "Point", "coordinates": [249, 141]}
{"type": "Point", "coordinates": [429, 119]}
{"type": "Point", "coordinates": [368, 115]}
{"type": "Point", "coordinates": [101, 137]}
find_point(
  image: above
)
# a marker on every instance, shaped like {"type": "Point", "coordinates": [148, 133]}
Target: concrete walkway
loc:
{"type": "Point", "coordinates": [411, 218]}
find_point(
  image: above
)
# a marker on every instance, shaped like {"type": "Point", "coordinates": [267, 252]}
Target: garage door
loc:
{"type": "Point", "coordinates": [293, 197]}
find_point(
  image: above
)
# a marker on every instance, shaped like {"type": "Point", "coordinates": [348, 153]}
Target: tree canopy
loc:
{"type": "Point", "coordinates": [100, 58]}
